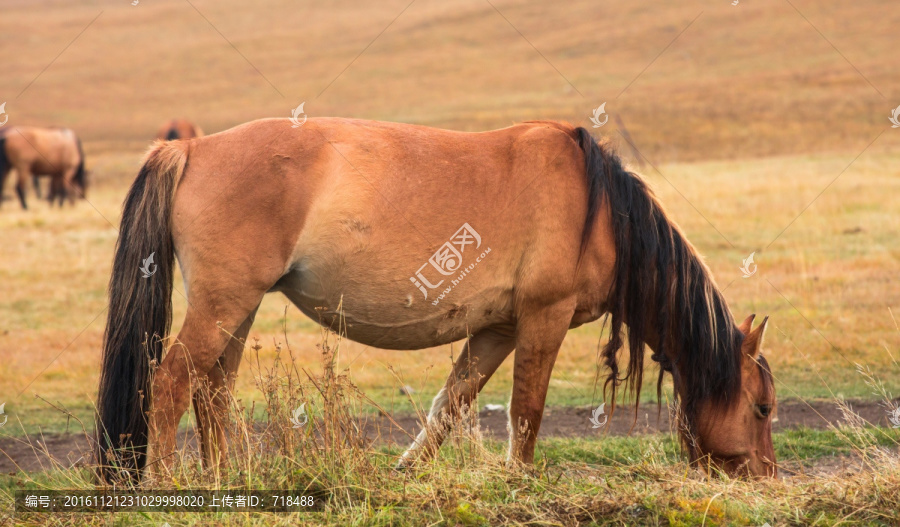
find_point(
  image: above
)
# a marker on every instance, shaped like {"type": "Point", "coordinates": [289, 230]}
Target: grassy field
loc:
{"type": "Point", "coordinates": [829, 302]}
{"type": "Point", "coordinates": [616, 481]}
{"type": "Point", "coordinates": [763, 127]}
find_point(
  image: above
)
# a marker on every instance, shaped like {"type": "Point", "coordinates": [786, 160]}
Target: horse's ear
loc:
{"type": "Point", "coordinates": [747, 324]}
{"type": "Point", "coordinates": [754, 340]}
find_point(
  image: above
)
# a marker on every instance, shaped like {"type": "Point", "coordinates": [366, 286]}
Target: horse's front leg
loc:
{"type": "Point", "coordinates": [539, 334]}
{"type": "Point", "coordinates": [68, 188]}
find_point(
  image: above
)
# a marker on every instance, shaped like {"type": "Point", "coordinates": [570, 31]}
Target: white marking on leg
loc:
{"type": "Point", "coordinates": [432, 422]}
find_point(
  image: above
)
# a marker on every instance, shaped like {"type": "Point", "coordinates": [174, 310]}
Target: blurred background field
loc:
{"type": "Point", "coordinates": [746, 115]}
{"type": "Point", "coordinates": [761, 124]}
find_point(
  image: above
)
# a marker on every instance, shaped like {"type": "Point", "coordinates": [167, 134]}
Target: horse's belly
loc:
{"type": "Point", "coordinates": [354, 260]}
{"type": "Point", "coordinates": [385, 313]}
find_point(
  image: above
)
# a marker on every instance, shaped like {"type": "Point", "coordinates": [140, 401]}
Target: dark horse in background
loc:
{"type": "Point", "coordinates": [37, 152]}
{"type": "Point", "coordinates": [381, 225]}
{"type": "Point", "coordinates": [178, 129]}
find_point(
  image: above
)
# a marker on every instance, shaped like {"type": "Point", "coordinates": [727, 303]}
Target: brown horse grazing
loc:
{"type": "Point", "coordinates": [423, 237]}
{"type": "Point", "coordinates": [53, 152]}
{"type": "Point", "coordinates": [178, 129]}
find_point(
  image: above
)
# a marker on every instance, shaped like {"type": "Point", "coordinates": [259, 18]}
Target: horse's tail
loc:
{"type": "Point", "coordinates": [4, 162]}
{"type": "Point", "coordinates": [79, 178]}
{"type": "Point", "coordinates": [139, 313]}
{"type": "Point", "coordinates": [4, 165]}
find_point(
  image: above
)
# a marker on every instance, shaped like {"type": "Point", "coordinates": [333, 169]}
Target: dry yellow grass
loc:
{"type": "Point", "coordinates": [619, 481]}
{"type": "Point", "coordinates": [834, 265]}
{"type": "Point", "coordinates": [749, 114]}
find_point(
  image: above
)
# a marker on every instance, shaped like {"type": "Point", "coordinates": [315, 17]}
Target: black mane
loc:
{"type": "Point", "coordinates": [698, 340]}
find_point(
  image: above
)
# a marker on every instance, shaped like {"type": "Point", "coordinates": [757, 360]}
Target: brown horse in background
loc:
{"type": "Point", "coordinates": [178, 129]}
{"type": "Point", "coordinates": [34, 152]}
{"type": "Point", "coordinates": [384, 224]}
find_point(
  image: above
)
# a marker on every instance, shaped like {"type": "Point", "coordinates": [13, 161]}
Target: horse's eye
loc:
{"type": "Point", "coordinates": [764, 410]}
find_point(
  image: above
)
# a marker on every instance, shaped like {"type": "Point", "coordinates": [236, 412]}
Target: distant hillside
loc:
{"type": "Point", "coordinates": [752, 79]}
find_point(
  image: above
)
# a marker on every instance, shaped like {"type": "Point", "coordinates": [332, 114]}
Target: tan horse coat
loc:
{"type": "Point", "coordinates": [423, 236]}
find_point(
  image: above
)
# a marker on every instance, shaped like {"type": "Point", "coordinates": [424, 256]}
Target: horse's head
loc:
{"type": "Point", "coordinates": [737, 438]}
{"type": "Point", "coordinates": [664, 292]}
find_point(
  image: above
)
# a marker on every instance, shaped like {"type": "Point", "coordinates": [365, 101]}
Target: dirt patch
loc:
{"type": "Point", "coordinates": [66, 450]}
{"type": "Point", "coordinates": [575, 421]}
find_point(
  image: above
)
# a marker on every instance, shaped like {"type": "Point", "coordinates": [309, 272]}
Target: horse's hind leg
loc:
{"type": "Point", "coordinates": [37, 186]}
{"type": "Point", "coordinates": [24, 175]}
{"type": "Point", "coordinates": [480, 357]}
{"type": "Point", "coordinates": [212, 399]}
{"type": "Point", "coordinates": [213, 316]}
{"type": "Point", "coordinates": [539, 335]}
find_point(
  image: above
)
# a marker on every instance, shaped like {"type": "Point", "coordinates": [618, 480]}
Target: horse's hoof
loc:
{"type": "Point", "coordinates": [404, 465]}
